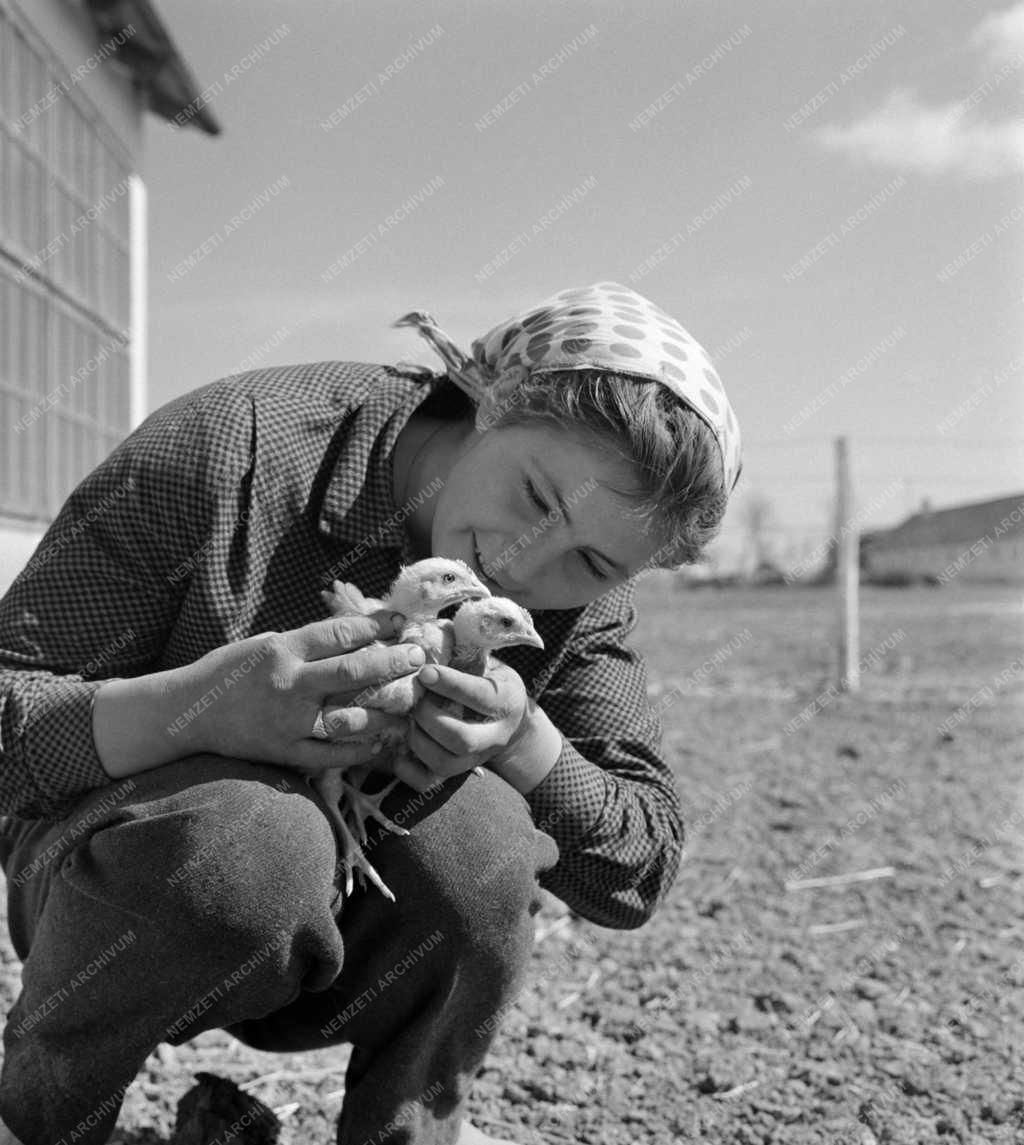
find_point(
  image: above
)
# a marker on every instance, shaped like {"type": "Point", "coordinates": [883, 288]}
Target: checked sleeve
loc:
{"type": "Point", "coordinates": [610, 801]}
{"type": "Point", "coordinates": [96, 601]}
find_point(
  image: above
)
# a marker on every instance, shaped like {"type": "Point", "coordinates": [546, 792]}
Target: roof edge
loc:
{"type": "Point", "coordinates": [154, 61]}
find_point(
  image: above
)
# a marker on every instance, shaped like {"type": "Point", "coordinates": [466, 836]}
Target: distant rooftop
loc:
{"type": "Point", "coordinates": [966, 523]}
{"type": "Point", "coordinates": [155, 62]}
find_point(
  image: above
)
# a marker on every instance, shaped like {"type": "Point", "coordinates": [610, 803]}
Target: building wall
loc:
{"type": "Point", "coordinates": [72, 227]}
{"type": "Point", "coordinates": [69, 34]}
{"type": "Point", "coordinates": [991, 560]}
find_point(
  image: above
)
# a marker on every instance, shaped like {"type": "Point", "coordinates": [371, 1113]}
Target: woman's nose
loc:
{"type": "Point", "coordinates": [529, 558]}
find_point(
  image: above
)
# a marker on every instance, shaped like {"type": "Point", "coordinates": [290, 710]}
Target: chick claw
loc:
{"type": "Point", "coordinates": [361, 806]}
{"type": "Point", "coordinates": [353, 860]}
{"type": "Point", "coordinates": [348, 807]}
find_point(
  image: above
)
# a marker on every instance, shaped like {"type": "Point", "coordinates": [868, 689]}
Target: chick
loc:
{"type": "Point", "coordinates": [481, 626]}
{"type": "Point", "coordinates": [344, 599]}
{"type": "Point", "coordinates": [419, 592]}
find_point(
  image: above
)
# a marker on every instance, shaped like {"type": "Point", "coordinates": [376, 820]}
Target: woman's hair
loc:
{"type": "Point", "coordinates": [681, 496]}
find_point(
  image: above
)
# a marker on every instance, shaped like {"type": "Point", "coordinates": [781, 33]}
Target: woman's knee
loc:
{"type": "Point", "coordinates": [227, 847]}
{"type": "Point", "coordinates": [477, 858]}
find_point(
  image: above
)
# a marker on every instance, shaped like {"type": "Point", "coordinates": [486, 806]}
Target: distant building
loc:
{"type": "Point", "coordinates": [76, 78]}
{"type": "Point", "coordinates": [979, 542]}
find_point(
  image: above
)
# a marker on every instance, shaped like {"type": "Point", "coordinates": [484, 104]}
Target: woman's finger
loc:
{"type": "Point", "coordinates": [343, 722]}
{"type": "Point", "coordinates": [357, 671]}
{"type": "Point", "coordinates": [476, 692]}
{"type": "Point", "coordinates": [415, 774]}
{"type": "Point", "coordinates": [316, 756]}
{"type": "Point", "coordinates": [444, 727]}
{"type": "Point", "coordinates": [339, 634]}
{"type": "Point", "coordinates": [440, 760]}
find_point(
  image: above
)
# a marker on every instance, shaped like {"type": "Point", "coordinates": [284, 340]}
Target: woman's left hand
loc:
{"type": "Point", "coordinates": [449, 741]}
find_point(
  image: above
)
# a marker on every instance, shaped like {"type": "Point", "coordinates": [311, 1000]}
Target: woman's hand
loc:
{"type": "Point", "coordinates": [488, 714]}
{"type": "Point", "coordinates": [327, 664]}
{"type": "Point", "coordinates": [258, 699]}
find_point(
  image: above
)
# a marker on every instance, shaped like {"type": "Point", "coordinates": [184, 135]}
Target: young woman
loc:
{"type": "Point", "coordinates": [166, 674]}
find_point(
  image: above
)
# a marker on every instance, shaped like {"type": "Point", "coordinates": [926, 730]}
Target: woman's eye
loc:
{"type": "Point", "coordinates": [533, 495]}
{"type": "Point", "coordinates": [589, 562]}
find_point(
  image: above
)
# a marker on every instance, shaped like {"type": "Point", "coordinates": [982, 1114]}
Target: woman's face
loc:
{"type": "Point", "coordinates": [541, 514]}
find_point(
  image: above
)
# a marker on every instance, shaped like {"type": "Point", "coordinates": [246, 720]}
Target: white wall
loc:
{"type": "Point", "coordinates": [17, 545]}
{"type": "Point", "coordinates": [66, 28]}
{"type": "Point", "coordinates": [71, 36]}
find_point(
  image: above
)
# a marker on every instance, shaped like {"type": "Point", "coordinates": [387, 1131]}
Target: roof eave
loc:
{"type": "Point", "coordinates": [157, 66]}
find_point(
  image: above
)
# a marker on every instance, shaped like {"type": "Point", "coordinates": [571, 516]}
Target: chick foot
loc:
{"type": "Point", "coordinates": [355, 861]}
{"type": "Point", "coordinates": [360, 806]}
{"type": "Point", "coordinates": [349, 807]}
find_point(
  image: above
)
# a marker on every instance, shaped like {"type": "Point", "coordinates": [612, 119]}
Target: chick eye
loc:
{"type": "Point", "coordinates": [448, 578]}
{"type": "Point", "coordinates": [506, 623]}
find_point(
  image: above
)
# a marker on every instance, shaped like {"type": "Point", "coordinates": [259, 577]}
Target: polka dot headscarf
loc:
{"type": "Point", "coordinates": [601, 327]}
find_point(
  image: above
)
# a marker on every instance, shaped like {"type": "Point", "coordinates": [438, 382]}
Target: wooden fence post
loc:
{"type": "Point", "coordinates": [847, 573]}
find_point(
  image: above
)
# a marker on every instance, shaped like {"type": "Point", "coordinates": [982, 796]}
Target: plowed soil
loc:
{"type": "Point", "coordinates": [841, 959]}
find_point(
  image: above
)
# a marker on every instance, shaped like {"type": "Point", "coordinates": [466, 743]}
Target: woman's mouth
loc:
{"type": "Point", "coordinates": [479, 570]}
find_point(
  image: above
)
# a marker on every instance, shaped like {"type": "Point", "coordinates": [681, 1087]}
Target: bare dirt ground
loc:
{"type": "Point", "coordinates": [759, 1007]}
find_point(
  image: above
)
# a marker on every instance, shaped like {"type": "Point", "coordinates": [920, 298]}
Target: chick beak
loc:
{"type": "Point", "coordinates": [531, 638]}
{"type": "Point", "coordinates": [461, 595]}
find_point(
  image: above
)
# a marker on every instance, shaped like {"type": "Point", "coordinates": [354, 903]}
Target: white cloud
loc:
{"type": "Point", "coordinates": [931, 138]}
{"type": "Point", "coordinates": [1001, 34]}
{"type": "Point", "coordinates": [954, 138]}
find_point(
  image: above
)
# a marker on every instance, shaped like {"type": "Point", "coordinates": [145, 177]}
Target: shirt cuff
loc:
{"type": "Point", "coordinates": [569, 801]}
{"type": "Point", "coordinates": [58, 747]}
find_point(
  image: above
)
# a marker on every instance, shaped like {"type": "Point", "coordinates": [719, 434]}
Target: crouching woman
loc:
{"type": "Point", "coordinates": [168, 680]}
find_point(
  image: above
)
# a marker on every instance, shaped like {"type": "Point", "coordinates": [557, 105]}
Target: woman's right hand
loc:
{"type": "Point", "coordinates": [273, 685]}
{"type": "Point", "coordinates": [258, 699]}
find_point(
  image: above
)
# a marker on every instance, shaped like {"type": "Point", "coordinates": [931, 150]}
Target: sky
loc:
{"type": "Point", "coordinates": [826, 195]}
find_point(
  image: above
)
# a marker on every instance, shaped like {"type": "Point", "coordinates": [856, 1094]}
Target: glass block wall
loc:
{"type": "Point", "coordinates": [65, 280]}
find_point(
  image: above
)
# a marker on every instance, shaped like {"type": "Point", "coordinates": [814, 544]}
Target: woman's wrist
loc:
{"type": "Point", "coordinates": [143, 722]}
{"type": "Point", "coordinates": [531, 753]}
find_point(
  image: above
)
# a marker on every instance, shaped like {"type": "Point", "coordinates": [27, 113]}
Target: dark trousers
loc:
{"type": "Point", "coordinates": [204, 894]}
